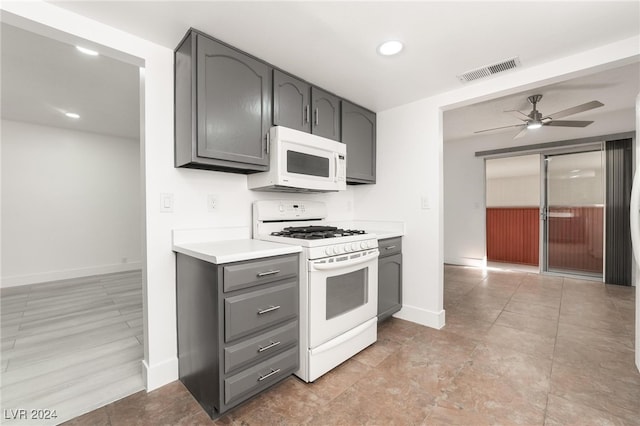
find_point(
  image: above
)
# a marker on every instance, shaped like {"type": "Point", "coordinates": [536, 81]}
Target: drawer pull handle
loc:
{"type": "Point", "coordinates": [269, 346]}
{"type": "Point", "coordinates": [266, 376]}
{"type": "Point", "coordinates": [390, 247]}
{"type": "Point", "coordinates": [269, 309]}
{"type": "Point", "coordinates": [264, 274]}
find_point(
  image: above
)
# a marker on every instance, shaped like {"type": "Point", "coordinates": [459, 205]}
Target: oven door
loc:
{"type": "Point", "coordinates": [343, 293]}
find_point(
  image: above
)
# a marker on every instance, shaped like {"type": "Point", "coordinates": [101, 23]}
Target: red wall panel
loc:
{"type": "Point", "coordinates": [513, 235]}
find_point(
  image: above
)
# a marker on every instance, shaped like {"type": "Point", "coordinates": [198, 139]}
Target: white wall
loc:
{"type": "Point", "coordinates": [464, 189]}
{"type": "Point", "coordinates": [409, 167]}
{"type": "Point", "coordinates": [515, 191]}
{"type": "Point", "coordinates": [70, 204]}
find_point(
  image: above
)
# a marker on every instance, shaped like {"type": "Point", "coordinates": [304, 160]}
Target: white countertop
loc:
{"type": "Point", "coordinates": [224, 245]}
{"type": "Point", "coordinates": [234, 250]}
{"type": "Point", "coordinates": [381, 229]}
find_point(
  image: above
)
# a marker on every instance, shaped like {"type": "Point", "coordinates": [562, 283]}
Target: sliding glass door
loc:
{"type": "Point", "coordinates": [573, 213]}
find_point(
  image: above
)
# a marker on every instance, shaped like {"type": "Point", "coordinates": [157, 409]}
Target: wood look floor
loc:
{"type": "Point", "coordinates": [70, 346]}
{"type": "Point", "coordinates": [518, 349]}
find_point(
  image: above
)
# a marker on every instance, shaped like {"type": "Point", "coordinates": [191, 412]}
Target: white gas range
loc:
{"type": "Point", "coordinates": [338, 281]}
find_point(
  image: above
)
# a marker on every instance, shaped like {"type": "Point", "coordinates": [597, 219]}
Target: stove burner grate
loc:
{"type": "Point", "coordinates": [316, 232]}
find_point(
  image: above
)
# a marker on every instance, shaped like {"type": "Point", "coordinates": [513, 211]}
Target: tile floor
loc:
{"type": "Point", "coordinates": [518, 348]}
{"type": "Point", "coordinates": [70, 346]}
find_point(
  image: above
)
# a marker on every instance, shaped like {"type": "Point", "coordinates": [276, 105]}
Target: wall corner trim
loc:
{"type": "Point", "coordinates": [159, 374]}
{"type": "Point", "coordinates": [422, 316]}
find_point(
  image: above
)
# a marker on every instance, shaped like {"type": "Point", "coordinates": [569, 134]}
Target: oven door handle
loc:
{"type": "Point", "coordinates": [346, 263]}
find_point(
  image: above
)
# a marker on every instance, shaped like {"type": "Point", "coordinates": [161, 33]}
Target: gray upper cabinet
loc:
{"type": "Point", "coordinates": [359, 134]}
{"type": "Point", "coordinates": [325, 114]}
{"type": "Point", "coordinates": [301, 106]}
{"type": "Point", "coordinates": [291, 102]}
{"type": "Point", "coordinates": [222, 107]}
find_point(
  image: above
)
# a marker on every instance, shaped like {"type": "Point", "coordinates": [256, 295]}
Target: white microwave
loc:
{"type": "Point", "coordinates": [302, 162]}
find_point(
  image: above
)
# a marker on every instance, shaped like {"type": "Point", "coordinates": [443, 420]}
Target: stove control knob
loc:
{"type": "Point", "coordinates": [328, 251]}
{"type": "Point", "coordinates": [363, 245]}
{"type": "Point", "coordinates": [337, 250]}
{"type": "Point", "coordinates": [348, 248]}
{"type": "Point", "coordinates": [354, 246]}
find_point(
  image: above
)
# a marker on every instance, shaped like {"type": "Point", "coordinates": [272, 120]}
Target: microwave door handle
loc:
{"type": "Point", "coordinates": [336, 167]}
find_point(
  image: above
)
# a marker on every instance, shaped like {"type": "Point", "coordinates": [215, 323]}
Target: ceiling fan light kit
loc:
{"type": "Point", "coordinates": [535, 119]}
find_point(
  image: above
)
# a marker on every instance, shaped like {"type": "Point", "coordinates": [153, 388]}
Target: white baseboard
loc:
{"type": "Point", "coordinates": [421, 316]}
{"type": "Point", "coordinates": [160, 374]}
{"type": "Point", "coordinates": [466, 261]}
{"type": "Point", "coordinates": [43, 277]}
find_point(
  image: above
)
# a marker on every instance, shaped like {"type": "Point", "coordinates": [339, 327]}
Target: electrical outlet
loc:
{"type": "Point", "coordinates": [212, 203]}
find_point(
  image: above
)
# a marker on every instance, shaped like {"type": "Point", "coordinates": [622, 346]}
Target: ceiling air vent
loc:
{"type": "Point", "coordinates": [488, 70]}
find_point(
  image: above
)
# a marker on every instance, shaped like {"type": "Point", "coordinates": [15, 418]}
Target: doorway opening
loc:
{"type": "Point", "coordinates": [72, 222]}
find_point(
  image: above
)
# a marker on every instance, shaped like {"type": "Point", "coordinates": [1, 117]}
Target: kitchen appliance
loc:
{"type": "Point", "coordinates": [535, 119]}
{"type": "Point", "coordinates": [302, 162]}
{"type": "Point", "coordinates": [338, 281]}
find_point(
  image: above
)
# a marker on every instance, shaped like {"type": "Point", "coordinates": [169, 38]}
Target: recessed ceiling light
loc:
{"type": "Point", "coordinates": [391, 47]}
{"type": "Point", "coordinates": [87, 51]}
{"type": "Point", "coordinates": [72, 115]}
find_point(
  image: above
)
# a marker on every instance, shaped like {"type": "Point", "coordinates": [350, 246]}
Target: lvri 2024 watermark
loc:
{"type": "Point", "coordinates": [28, 414]}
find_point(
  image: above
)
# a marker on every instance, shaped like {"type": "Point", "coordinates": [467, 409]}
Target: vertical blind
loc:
{"type": "Point", "coordinates": [618, 195]}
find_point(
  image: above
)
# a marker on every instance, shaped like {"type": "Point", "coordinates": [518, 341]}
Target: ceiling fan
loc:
{"type": "Point", "coordinates": [535, 119]}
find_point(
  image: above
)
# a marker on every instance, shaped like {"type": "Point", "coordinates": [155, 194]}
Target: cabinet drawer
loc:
{"type": "Point", "coordinates": [260, 376]}
{"type": "Point", "coordinates": [390, 246]}
{"type": "Point", "coordinates": [252, 273]}
{"type": "Point", "coordinates": [259, 309]}
{"type": "Point", "coordinates": [260, 347]}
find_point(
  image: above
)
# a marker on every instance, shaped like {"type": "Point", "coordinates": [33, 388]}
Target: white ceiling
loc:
{"type": "Point", "coordinates": [616, 89]}
{"type": "Point", "coordinates": [333, 44]}
{"type": "Point", "coordinates": [44, 78]}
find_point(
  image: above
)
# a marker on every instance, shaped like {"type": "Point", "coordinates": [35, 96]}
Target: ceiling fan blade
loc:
{"type": "Point", "coordinates": [568, 123]}
{"type": "Point", "coordinates": [500, 128]}
{"type": "Point", "coordinates": [521, 133]}
{"type": "Point", "coordinates": [519, 115]}
{"type": "Point", "coordinates": [575, 109]}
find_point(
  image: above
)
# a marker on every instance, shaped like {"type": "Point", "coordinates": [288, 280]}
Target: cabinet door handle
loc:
{"type": "Point", "coordinates": [264, 274]}
{"type": "Point", "coordinates": [390, 247]}
{"type": "Point", "coordinates": [269, 346]}
{"type": "Point", "coordinates": [316, 115]}
{"type": "Point", "coordinates": [268, 141]}
{"type": "Point", "coordinates": [305, 114]}
{"type": "Point", "coordinates": [269, 309]}
{"type": "Point", "coordinates": [266, 376]}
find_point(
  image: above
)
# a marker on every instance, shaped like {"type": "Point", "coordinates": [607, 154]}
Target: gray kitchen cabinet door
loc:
{"type": "Point", "coordinates": [234, 104]}
{"type": "Point", "coordinates": [291, 106]}
{"type": "Point", "coordinates": [325, 116]}
{"type": "Point", "coordinates": [359, 134]}
{"type": "Point", "coordinates": [389, 285]}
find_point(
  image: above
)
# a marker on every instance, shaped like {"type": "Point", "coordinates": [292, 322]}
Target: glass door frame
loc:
{"type": "Point", "coordinates": [544, 211]}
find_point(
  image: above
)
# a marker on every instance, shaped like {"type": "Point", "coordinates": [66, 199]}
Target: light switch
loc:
{"type": "Point", "coordinates": [166, 203]}
{"type": "Point", "coordinates": [424, 202]}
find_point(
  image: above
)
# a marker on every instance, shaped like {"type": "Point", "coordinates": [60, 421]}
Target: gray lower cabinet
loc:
{"type": "Point", "coordinates": [359, 134]}
{"type": "Point", "coordinates": [301, 106]}
{"type": "Point", "coordinates": [389, 277]}
{"type": "Point", "coordinates": [237, 336]}
{"type": "Point", "coordinates": [222, 107]}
